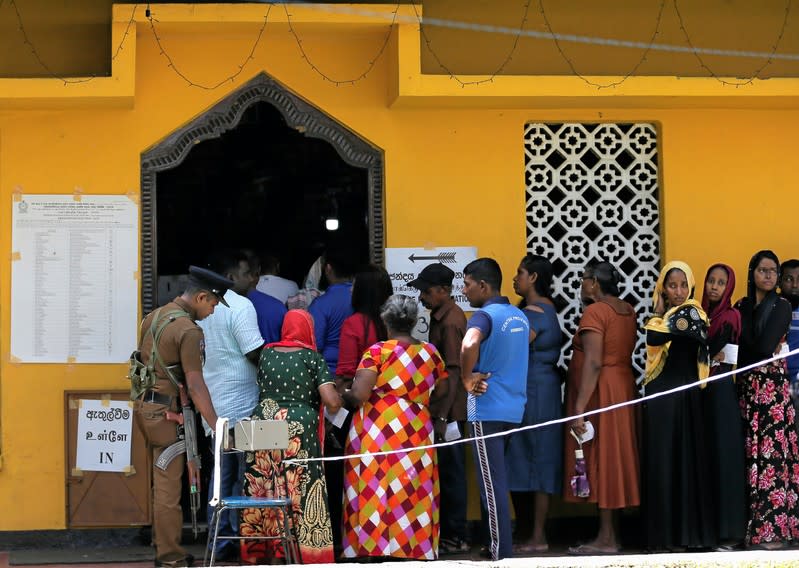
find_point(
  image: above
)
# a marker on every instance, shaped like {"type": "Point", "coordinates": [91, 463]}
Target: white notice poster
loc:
{"type": "Point", "coordinates": [405, 264]}
{"type": "Point", "coordinates": [73, 278]}
{"type": "Point", "coordinates": [104, 434]}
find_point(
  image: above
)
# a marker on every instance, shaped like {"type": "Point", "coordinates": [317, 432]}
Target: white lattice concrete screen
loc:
{"type": "Point", "coordinates": [592, 194]}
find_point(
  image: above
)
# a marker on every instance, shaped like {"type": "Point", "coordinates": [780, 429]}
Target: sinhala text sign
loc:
{"type": "Point", "coordinates": [405, 264]}
{"type": "Point", "coordinates": [104, 435]}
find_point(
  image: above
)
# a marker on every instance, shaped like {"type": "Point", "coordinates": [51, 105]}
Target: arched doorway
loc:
{"type": "Point", "coordinates": [354, 186]}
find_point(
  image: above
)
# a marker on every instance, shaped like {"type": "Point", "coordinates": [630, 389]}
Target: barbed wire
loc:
{"type": "Point", "coordinates": [125, 34]}
{"type": "Point", "coordinates": [491, 76]}
{"type": "Point", "coordinates": [321, 73]}
{"type": "Point", "coordinates": [67, 81]}
{"type": "Point", "coordinates": [229, 79]}
{"type": "Point", "coordinates": [422, 21]}
{"type": "Point", "coordinates": [757, 72]}
{"type": "Point", "coordinates": [583, 77]}
{"type": "Point", "coordinates": [573, 38]}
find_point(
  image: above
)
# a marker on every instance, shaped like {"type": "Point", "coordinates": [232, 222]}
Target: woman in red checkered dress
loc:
{"type": "Point", "coordinates": [391, 501]}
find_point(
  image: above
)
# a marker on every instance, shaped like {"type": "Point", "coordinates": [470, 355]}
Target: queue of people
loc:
{"type": "Point", "coordinates": [713, 467]}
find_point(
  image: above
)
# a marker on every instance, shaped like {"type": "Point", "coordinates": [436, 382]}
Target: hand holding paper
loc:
{"type": "Point", "coordinates": [338, 418]}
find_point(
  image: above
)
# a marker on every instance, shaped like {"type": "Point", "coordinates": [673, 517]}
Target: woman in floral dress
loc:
{"type": "Point", "coordinates": [391, 501]}
{"type": "Point", "coordinates": [294, 381]}
{"type": "Point", "coordinates": [771, 451]}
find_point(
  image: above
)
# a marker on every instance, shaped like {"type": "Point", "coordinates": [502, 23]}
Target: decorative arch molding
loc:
{"type": "Point", "coordinates": [224, 116]}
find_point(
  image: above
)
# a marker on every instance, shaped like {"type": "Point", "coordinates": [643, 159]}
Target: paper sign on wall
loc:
{"type": "Point", "coordinates": [405, 264]}
{"type": "Point", "coordinates": [73, 285]}
{"type": "Point", "coordinates": [104, 435]}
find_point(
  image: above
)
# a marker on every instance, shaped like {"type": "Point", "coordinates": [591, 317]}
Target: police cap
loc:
{"type": "Point", "coordinates": [210, 281]}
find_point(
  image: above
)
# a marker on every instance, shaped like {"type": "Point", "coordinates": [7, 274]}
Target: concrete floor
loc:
{"type": "Point", "coordinates": [141, 557]}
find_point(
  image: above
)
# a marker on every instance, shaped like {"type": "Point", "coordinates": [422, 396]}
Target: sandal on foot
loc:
{"type": "Point", "coordinates": [591, 550]}
{"type": "Point", "coordinates": [778, 545]}
{"type": "Point", "coordinates": [530, 548]}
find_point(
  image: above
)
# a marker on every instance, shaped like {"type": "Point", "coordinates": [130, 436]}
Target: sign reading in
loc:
{"type": "Point", "coordinates": [104, 435]}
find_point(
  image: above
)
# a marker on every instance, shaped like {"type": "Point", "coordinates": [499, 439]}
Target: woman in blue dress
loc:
{"type": "Point", "coordinates": [534, 457]}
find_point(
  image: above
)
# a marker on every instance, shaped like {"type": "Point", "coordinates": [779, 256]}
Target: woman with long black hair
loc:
{"type": "Point", "coordinates": [534, 457]}
{"type": "Point", "coordinates": [771, 450]}
{"type": "Point", "coordinates": [370, 290]}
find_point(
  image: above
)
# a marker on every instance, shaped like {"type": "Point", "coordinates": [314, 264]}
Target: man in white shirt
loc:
{"type": "Point", "coordinates": [232, 347]}
{"type": "Point", "coordinates": [272, 284]}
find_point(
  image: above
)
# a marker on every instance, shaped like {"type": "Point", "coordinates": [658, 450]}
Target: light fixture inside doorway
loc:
{"type": "Point", "coordinates": [331, 219]}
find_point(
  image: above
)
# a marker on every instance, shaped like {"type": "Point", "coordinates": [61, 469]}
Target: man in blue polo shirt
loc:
{"type": "Point", "coordinates": [494, 373]}
{"type": "Point", "coordinates": [334, 306]}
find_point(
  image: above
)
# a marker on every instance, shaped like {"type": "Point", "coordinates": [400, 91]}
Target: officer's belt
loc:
{"type": "Point", "coordinates": [170, 453]}
{"type": "Point", "coordinates": [157, 398]}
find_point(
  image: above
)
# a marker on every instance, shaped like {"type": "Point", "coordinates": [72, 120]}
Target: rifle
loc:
{"type": "Point", "coordinates": [187, 431]}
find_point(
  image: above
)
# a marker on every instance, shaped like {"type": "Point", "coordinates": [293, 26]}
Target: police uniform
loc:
{"type": "Point", "coordinates": [181, 343]}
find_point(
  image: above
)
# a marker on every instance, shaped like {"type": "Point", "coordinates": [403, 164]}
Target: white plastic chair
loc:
{"type": "Point", "coordinates": [237, 502]}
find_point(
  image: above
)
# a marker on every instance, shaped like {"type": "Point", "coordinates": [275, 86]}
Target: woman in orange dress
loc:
{"type": "Point", "coordinates": [600, 375]}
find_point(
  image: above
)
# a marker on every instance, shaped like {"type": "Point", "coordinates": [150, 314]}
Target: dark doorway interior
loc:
{"type": "Point", "coordinates": [264, 186]}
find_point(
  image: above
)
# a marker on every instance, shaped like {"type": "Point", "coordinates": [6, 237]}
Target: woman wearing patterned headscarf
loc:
{"type": "Point", "coordinates": [771, 450]}
{"type": "Point", "coordinates": [722, 415]}
{"type": "Point", "coordinates": [678, 506]}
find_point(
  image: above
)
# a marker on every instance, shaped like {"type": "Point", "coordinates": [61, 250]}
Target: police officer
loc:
{"type": "Point", "coordinates": [178, 360]}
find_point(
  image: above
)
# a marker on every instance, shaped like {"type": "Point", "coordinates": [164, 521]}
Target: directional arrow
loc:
{"type": "Point", "coordinates": [443, 257]}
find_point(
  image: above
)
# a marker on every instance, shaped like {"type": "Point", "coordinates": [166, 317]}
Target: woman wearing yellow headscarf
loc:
{"type": "Point", "coordinates": [678, 504]}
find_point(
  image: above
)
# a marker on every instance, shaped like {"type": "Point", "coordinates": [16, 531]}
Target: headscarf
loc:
{"type": "Point", "coordinates": [297, 331]}
{"type": "Point", "coordinates": [688, 319]}
{"type": "Point", "coordinates": [723, 313]}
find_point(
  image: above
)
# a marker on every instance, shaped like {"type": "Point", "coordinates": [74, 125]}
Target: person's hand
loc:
{"type": "Point", "coordinates": [195, 485]}
{"type": "Point", "coordinates": [343, 384]}
{"type": "Point", "coordinates": [478, 383]}
{"type": "Point", "coordinates": [578, 425]}
{"type": "Point", "coordinates": [439, 429]}
{"type": "Point", "coordinates": [660, 307]}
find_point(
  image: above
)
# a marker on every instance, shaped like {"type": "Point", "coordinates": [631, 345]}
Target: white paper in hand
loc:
{"type": "Point", "coordinates": [589, 433]}
{"type": "Point", "coordinates": [453, 432]}
{"type": "Point", "coordinates": [730, 354]}
{"type": "Point", "coordinates": [338, 418]}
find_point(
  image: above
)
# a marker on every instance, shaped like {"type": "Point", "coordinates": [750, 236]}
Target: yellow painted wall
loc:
{"type": "Point", "coordinates": [728, 176]}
